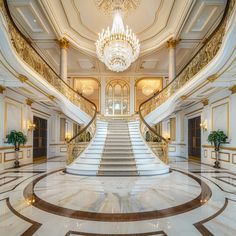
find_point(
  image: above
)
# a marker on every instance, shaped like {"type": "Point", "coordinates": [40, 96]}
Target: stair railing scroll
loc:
{"type": "Point", "coordinates": [200, 59]}
{"type": "Point", "coordinates": [32, 58]}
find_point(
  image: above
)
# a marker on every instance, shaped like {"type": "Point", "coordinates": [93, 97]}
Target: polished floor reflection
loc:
{"type": "Point", "coordinates": [193, 199]}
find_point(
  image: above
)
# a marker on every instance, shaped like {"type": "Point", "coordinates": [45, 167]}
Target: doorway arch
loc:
{"type": "Point", "coordinates": [117, 97]}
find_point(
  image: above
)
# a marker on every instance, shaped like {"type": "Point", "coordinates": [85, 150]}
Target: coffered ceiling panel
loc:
{"type": "Point", "coordinates": [31, 19]}
{"type": "Point", "coordinates": [153, 21]}
{"type": "Point", "coordinates": [204, 16]}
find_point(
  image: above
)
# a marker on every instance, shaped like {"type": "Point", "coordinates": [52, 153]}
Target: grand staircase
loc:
{"type": "Point", "coordinates": [118, 157]}
{"type": "Point", "coordinates": [117, 150]}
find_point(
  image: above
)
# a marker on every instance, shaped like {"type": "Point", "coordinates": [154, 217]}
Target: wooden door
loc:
{"type": "Point", "coordinates": [40, 138]}
{"type": "Point", "coordinates": [194, 138]}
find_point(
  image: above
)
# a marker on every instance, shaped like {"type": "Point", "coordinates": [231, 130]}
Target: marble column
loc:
{"type": "Point", "coordinates": [64, 45]}
{"type": "Point", "coordinates": [171, 45]}
{"type": "Point", "coordinates": [103, 96]}
{"type": "Point", "coordinates": [2, 98]}
{"type": "Point", "coordinates": [132, 95]}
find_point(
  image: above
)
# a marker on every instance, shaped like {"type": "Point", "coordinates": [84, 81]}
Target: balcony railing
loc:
{"type": "Point", "coordinates": [33, 59]}
{"type": "Point", "coordinates": [204, 55]}
{"type": "Point", "coordinates": [202, 58]}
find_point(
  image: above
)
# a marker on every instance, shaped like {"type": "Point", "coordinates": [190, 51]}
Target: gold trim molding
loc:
{"type": "Point", "coordinates": [172, 43]}
{"type": "Point", "coordinates": [184, 97]}
{"type": "Point", "coordinates": [2, 89]}
{"type": "Point", "coordinates": [29, 101]}
{"type": "Point", "coordinates": [233, 89]}
{"type": "Point", "coordinates": [22, 78]}
{"type": "Point", "coordinates": [223, 148]}
{"type": "Point", "coordinates": [212, 78]}
{"type": "Point", "coordinates": [51, 97]}
{"type": "Point", "coordinates": [12, 147]}
{"type": "Point", "coordinates": [64, 43]}
{"type": "Point", "coordinates": [205, 102]}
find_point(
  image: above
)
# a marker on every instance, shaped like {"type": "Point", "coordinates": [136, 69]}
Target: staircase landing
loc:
{"type": "Point", "coordinates": [117, 150]}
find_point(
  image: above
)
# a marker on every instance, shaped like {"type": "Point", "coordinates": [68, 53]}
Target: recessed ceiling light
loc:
{"type": "Point", "coordinates": [34, 21]}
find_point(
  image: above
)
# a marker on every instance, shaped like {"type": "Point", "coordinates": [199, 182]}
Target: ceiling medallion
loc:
{"type": "Point", "coordinates": [118, 47]}
{"type": "Point", "coordinates": [108, 6]}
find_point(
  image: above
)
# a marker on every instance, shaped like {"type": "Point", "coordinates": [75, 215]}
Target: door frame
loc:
{"type": "Point", "coordinates": [187, 130]}
{"type": "Point", "coordinates": [47, 118]}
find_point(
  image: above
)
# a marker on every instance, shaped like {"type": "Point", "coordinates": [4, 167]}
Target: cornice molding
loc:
{"type": "Point", "coordinates": [2, 89]}
{"type": "Point", "coordinates": [233, 89]}
{"type": "Point", "coordinates": [205, 102]}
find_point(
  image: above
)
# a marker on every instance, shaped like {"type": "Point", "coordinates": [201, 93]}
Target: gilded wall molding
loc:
{"type": "Point", "coordinates": [64, 43]}
{"type": "Point", "coordinates": [29, 101]}
{"type": "Point", "coordinates": [205, 102]}
{"type": "Point", "coordinates": [233, 89]}
{"type": "Point", "coordinates": [199, 61]}
{"type": "Point", "coordinates": [2, 89]}
{"type": "Point", "coordinates": [172, 43]}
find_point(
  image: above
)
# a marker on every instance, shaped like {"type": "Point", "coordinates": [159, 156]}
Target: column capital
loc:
{"type": "Point", "coordinates": [2, 89]}
{"type": "Point", "coordinates": [233, 89]}
{"type": "Point", "coordinates": [22, 78]}
{"type": "Point", "coordinates": [172, 43]}
{"type": "Point", "coordinates": [205, 102]}
{"type": "Point", "coordinates": [29, 101]}
{"type": "Point", "coordinates": [64, 43]}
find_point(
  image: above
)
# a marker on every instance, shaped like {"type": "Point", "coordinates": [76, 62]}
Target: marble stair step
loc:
{"type": "Point", "coordinates": [117, 148]}
{"type": "Point", "coordinates": [117, 158]}
{"type": "Point", "coordinates": [117, 154]}
{"type": "Point", "coordinates": [116, 165]}
{"type": "Point", "coordinates": [125, 144]}
{"type": "Point", "coordinates": [112, 173]}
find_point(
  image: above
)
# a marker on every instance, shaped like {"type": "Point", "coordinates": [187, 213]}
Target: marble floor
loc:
{"type": "Point", "coordinates": [193, 199]}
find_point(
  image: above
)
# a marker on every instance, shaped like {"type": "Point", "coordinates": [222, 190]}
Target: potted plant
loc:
{"type": "Point", "coordinates": [16, 138]}
{"type": "Point", "coordinates": [216, 138]}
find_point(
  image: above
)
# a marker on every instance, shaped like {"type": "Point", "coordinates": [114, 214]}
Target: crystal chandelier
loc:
{"type": "Point", "coordinates": [118, 47]}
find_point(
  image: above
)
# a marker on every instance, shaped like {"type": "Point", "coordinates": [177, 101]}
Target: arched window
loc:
{"type": "Point", "coordinates": [117, 98]}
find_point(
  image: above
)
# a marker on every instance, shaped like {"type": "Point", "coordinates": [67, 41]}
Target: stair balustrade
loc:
{"type": "Point", "coordinates": [201, 59]}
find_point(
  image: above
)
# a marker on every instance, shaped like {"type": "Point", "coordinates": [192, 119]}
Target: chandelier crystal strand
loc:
{"type": "Point", "coordinates": [118, 47]}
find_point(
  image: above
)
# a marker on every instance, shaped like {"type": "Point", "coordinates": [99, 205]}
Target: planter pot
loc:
{"type": "Point", "coordinates": [16, 162]}
{"type": "Point", "coordinates": [217, 163]}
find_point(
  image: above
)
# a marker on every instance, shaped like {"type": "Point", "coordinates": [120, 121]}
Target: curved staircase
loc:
{"type": "Point", "coordinates": [117, 150]}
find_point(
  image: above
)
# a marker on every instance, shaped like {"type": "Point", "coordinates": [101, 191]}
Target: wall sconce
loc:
{"type": "Point", "coordinates": [68, 137]}
{"type": "Point", "coordinates": [203, 125]}
{"type": "Point", "coordinates": [30, 126]}
{"type": "Point", "coordinates": [166, 136]}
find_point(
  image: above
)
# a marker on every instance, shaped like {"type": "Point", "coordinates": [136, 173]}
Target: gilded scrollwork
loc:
{"type": "Point", "coordinates": [35, 61]}
{"type": "Point", "coordinates": [202, 59]}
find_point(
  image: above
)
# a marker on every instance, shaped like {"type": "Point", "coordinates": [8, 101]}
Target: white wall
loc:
{"type": "Point", "coordinates": [220, 113]}
{"type": "Point", "coordinates": [14, 114]}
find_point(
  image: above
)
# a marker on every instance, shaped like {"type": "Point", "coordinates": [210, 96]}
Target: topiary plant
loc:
{"type": "Point", "coordinates": [16, 138]}
{"type": "Point", "coordinates": [216, 138]}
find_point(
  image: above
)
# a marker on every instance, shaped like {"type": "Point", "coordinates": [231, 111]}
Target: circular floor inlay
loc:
{"type": "Point", "coordinates": [117, 199]}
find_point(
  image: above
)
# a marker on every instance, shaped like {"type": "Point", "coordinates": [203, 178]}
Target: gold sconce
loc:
{"type": "Point", "coordinates": [68, 137]}
{"type": "Point", "coordinates": [203, 125]}
{"type": "Point", "coordinates": [30, 126]}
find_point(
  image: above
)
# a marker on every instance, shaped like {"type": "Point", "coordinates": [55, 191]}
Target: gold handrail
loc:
{"type": "Point", "coordinates": [200, 59]}
{"type": "Point", "coordinates": [31, 57]}
{"type": "Point", "coordinates": [25, 50]}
